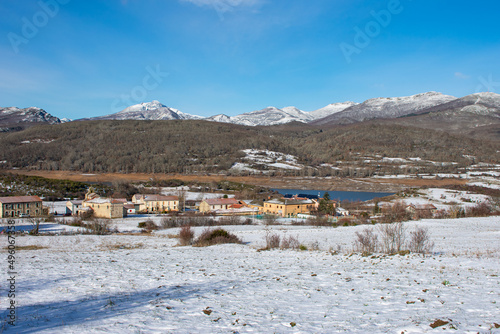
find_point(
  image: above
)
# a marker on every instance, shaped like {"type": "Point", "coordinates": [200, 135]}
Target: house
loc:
{"type": "Point", "coordinates": [102, 207]}
{"type": "Point", "coordinates": [342, 212]}
{"type": "Point", "coordinates": [421, 210]}
{"type": "Point", "coordinates": [155, 203]}
{"type": "Point", "coordinates": [288, 207]}
{"type": "Point", "coordinates": [19, 206]}
{"type": "Point", "coordinates": [72, 207]}
{"type": "Point", "coordinates": [130, 207]}
{"type": "Point", "coordinates": [106, 207]}
{"type": "Point", "coordinates": [214, 204]}
{"type": "Point", "coordinates": [238, 210]}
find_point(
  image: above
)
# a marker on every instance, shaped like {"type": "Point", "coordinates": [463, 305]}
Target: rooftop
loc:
{"type": "Point", "coordinates": [20, 199]}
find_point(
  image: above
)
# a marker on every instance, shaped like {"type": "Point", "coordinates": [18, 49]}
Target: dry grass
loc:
{"type": "Point", "coordinates": [344, 184]}
{"type": "Point", "coordinates": [123, 246]}
{"type": "Point", "coordinates": [29, 247]}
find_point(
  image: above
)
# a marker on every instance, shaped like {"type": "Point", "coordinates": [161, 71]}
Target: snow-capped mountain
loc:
{"type": "Point", "coordinates": [480, 103]}
{"type": "Point", "coordinates": [476, 115]}
{"type": "Point", "coordinates": [149, 111]}
{"type": "Point", "coordinates": [386, 108]}
{"type": "Point", "coordinates": [331, 109]}
{"type": "Point", "coordinates": [13, 118]}
{"type": "Point", "coordinates": [221, 118]}
{"type": "Point", "coordinates": [271, 116]}
{"type": "Point", "coordinates": [274, 116]}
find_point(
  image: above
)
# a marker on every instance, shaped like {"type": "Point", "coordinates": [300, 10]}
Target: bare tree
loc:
{"type": "Point", "coordinates": [393, 237]}
{"type": "Point", "coordinates": [420, 241]}
{"type": "Point", "coordinates": [366, 241]}
{"type": "Point", "coordinates": [35, 223]}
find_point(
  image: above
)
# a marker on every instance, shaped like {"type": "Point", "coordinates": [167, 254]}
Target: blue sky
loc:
{"type": "Point", "coordinates": [80, 59]}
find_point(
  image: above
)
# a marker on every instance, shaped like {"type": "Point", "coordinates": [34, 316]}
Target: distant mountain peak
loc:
{"type": "Point", "coordinates": [16, 118]}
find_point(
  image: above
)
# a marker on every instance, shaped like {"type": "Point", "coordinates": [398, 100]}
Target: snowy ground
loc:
{"type": "Point", "coordinates": [146, 284]}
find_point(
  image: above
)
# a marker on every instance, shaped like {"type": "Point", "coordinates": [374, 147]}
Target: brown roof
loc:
{"type": "Point", "coordinates": [221, 201]}
{"type": "Point", "coordinates": [20, 199]}
{"type": "Point", "coordinates": [160, 198]}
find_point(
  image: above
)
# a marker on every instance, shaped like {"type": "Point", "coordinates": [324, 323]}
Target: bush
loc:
{"type": "Point", "coordinates": [211, 237]}
{"type": "Point", "coordinates": [366, 241]}
{"type": "Point", "coordinates": [393, 237]}
{"type": "Point", "coordinates": [482, 209]}
{"type": "Point", "coordinates": [98, 226]}
{"type": "Point", "coordinates": [290, 242]}
{"type": "Point", "coordinates": [420, 241]}
{"type": "Point", "coordinates": [272, 241]}
{"type": "Point", "coordinates": [186, 236]}
{"type": "Point", "coordinates": [270, 220]}
{"type": "Point", "coordinates": [318, 221]}
{"type": "Point", "coordinates": [148, 225]}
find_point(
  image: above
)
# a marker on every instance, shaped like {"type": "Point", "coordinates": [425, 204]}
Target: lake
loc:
{"type": "Point", "coordinates": [338, 195]}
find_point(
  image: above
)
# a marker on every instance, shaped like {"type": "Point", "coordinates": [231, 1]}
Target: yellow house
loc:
{"type": "Point", "coordinates": [288, 207]}
{"type": "Point", "coordinates": [214, 204]}
{"type": "Point", "coordinates": [156, 203]}
{"type": "Point", "coordinates": [105, 207]}
{"type": "Point", "coordinates": [19, 206]}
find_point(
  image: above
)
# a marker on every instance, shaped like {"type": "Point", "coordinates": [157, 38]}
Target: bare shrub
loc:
{"type": "Point", "coordinates": [420, 241]}
{"type": "Point", "coordinates": [366, 241]}
{"type": "Point", "coordinates": [186, 236]}
{"type": "Point", "coordinates": [98, 226]}
{"type": "Point", "coordinates": [230, 220]}
{"type": "Point", "coordinates": [482, 209]}
{"type": "Point", "coordinates": [170, 222]}
{"type": "Point", "coordinates": [149, 225]}
{"type": "Point", "coordinates": [318, 221]}
{"type": "Point", "coordinates": [395, 213]}
{"type": "Point", "coordinates": [211, 237]}
{"type": "Point", "coordinates": [392, 237]}
{"type": "Point", "coordinates": [314, 245]}
{"type": "Point", "coordinates": [270, 220]}
{"type": "Point", "coordinates": [76, 221]}
{"type": "Point", "coordinates": [423, 214]}
{"type": "Point", "coordinates": [290, 242]}
{"type": "Point", "coordinates": [272, 241]}
{"type": "Point", "coordinates": [456, 212]}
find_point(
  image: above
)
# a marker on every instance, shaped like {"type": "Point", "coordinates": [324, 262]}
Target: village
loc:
{"type": "Point", "coordinates": [93, 205]}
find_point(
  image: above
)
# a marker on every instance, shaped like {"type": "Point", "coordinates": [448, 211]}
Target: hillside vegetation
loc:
{"type": "Point", "coordinates": [200, 146]}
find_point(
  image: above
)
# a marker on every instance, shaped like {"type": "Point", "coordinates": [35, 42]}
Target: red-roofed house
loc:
{"type": "Point", "coordinates": [18, 206]}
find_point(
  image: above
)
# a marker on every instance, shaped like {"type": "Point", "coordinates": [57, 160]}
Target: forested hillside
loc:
{"type": "Point", "coordinates": [201, 146]}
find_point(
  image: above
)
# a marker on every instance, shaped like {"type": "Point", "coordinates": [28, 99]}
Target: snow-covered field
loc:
{"type": "Point", "coordinates": [146, 284]}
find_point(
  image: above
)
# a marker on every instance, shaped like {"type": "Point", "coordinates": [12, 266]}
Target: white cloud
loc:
{"type": "Point", "coordinates": [460, 75]}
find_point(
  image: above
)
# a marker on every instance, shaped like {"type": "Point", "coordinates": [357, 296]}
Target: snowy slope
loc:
{"type": "Point", "coordinates": [386, 108]}
{"type": "Point", "coordinates": [144, 284]}
{"type": "Point", "coordinates": [331, 109]}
